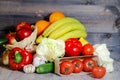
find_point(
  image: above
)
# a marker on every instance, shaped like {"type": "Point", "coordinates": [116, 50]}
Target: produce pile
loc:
{"type": "Point", "coordinates": [35, 48]}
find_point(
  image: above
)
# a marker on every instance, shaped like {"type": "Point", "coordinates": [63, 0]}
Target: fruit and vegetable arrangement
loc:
{"type": "Point", "coordinates": [57, 45]}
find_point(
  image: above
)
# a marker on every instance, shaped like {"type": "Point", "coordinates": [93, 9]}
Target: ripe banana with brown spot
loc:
{"type": "Point", "coordinates": [65, 28]}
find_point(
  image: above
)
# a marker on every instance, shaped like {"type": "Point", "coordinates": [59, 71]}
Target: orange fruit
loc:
{"type": "Point", "coordinates": [41, 26]}
{"type": "Point", "coordinates": [54, 16]}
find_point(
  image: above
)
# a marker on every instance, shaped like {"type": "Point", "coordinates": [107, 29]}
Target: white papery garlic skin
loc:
{"type": "Point", "coordinates": [38, 60]}
{"type": "Point", "coordinates": [29, 68]}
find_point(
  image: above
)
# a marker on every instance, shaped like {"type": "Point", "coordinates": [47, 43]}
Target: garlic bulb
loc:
{"type": "Point", "coordinates": [29, 68]}
{"type": "Point", "coordinates": [38, 60]}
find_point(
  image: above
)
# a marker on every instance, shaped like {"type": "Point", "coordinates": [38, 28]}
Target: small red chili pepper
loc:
{"type": "Point", "coordinates": [19, 57]}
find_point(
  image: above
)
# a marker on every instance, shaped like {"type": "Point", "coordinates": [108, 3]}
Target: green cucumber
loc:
{"type": "Point", "coordinates": [45, 68]}
{"type": "Point", "coordinates": [3, 40]}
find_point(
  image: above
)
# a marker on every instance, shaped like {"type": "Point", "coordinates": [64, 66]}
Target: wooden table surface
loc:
{"type": "Point", "coordinates": [8, 74]}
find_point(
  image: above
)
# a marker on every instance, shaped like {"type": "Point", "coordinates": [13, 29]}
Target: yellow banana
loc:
{"type": "Point", "coordinates": [65, 28]}
{"type": "Point", "coordinates": [58, 24]}
{"type": "Point", "coordinates": [38, 39]}
{"type": "Point", "coordinates": [74, 34]}
{"type": "Point", "coordinates": [83, 41]}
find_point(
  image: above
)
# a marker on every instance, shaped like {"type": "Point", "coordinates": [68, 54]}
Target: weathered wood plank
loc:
{"type": "Point", "coordinates": [96, 18]}
{"type": "Point", "coordinates": [111, 40]}
{"type": "Point", "coordinates": [67, 2]}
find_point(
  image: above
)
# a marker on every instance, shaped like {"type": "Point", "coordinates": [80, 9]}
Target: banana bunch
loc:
{"type": "Point", "coordinates": [63, 29]}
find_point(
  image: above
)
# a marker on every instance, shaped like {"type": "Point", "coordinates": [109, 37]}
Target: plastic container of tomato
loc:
{"type": "Point", "coordinates": [59, 60]}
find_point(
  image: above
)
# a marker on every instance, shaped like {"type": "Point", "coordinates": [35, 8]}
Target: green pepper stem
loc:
{"type": "Point", "coordinates": [17, 57]}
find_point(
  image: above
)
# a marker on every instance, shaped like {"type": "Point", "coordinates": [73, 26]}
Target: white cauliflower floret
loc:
{"type": "Point", "coordinates": [103, 57]}
{"type": "Point", "coordinates": [51, 49]}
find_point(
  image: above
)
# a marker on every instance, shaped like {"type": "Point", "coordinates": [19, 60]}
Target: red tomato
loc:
{"type": "Point", "coordinates": [23, 33]}
{"type": "Point", "coordinates": [73, 47]}
{"type": "Point", "coordinates": [66, 67]}
{"type": "Point", "coordinates": [23, 25]}
{"type": "Point", "coordinates": [98, 72]}
{"type": "Point", "coordinates": [87, 49]}
{"type": "Point", "coordinates": [78, 66]}
{"type": "Point", "coordinates": [88, 64]}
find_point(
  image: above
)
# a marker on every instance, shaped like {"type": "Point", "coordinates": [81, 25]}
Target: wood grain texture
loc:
{"type": "Point", "coordinates": [76, 2]}
{"type": "Point", "coordinates": [95, 17]}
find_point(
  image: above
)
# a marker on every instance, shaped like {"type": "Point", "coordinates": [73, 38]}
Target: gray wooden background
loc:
{"type": "Point", "coordinates": [98, 16]}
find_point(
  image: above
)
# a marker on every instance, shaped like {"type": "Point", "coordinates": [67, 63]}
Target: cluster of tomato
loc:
{"type": "Point", "coordinates": [78, 65]}
{"type": "Point", "coordinates": [75, 48]}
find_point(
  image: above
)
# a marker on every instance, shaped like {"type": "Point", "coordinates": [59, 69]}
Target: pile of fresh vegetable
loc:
{"type": "Point", "coordinates": [28, 50]}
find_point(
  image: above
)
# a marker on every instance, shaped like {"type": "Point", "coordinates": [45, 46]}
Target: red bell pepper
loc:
{"type": "Point", "coordinates": [19, 57]}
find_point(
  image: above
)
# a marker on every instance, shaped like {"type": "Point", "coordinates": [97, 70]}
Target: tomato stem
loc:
{"type": "Point", "coordinates": [77, 64]}
{"type": "Point", "coordinates": [66, 70]}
